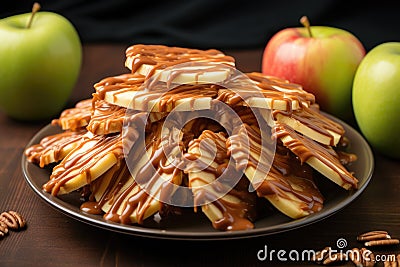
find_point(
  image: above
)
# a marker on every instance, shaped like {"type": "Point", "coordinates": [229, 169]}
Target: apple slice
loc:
{"type": "Point", "coordinates": [265, 92]}
{"type": "Point", "coordinates": [153, 180]}
{"type": "Point", "coordinates": [197, 74]}
{"type": "Point", "coordinates": [54, 148]}
{"type": "Point", "coordinates": [118, 180]}
{"type": "Point", "coordinates": [226, 211]}
{"type": "Point", "coordinates": [89, 160]}
{"type": "Point", "coordinates": [128, 91]}
{"type": "Point", "coordinates": [105, 188]}
{"type": "Point", "coordinates": [287, 185]}
{"type": "Point", "coordinates": [106, 119]}
{"type": "Point", "coordinates": [75, 118]}
{"type": "Point", "coordinates": [312, 124]}
{"type": "Point", "coordinates": [185, 97]}
{"type": "Point", "coordinates": [323, 159]}
{"type": "Point", "coordinates": [166, 63]}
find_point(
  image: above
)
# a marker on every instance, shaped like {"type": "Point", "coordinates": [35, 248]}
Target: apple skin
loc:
{"type": "Point", "coordinates": [376, 98]}
{"type": "Point", "coordinates": [324, 64]}
{"type": "Point", "coordinates": [39, 65]}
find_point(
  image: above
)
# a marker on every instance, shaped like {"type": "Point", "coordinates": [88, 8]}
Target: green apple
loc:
{"type": "Point", "coordinates": [321, 59]}
{"type": "Point", "coordinates": [40, 57]}
{"type": "Point", "coordinates": [376, 98]}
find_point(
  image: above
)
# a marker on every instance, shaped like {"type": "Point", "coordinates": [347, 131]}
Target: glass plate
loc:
{"type": "Point", "coordinates": [194, 226]}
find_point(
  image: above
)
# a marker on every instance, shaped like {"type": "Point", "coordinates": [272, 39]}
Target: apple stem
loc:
{"type": "Point", "coordinates": [306, 23]}
{"type": "Point", "coordinates": [35, 8]}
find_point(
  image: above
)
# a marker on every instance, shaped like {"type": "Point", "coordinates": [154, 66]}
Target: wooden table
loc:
{"type": "Point", "coordinates": [53, 239]}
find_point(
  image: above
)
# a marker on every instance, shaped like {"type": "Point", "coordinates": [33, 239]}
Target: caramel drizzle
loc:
{"type": "Point", "coordinates": [167, 100]}
{"type": "Point", "coordinates": [107, 118]}
{"type": "Point", "coordinates": [289, 90]}
{"type": "Point", "coordinates": [161, 57]}
{"type": "Point", "coordinates": [282, 178]}
{"type": "Point", "coordinates": [306, 148]}
{"type": "Point", "coordinates": [76, 117]}
{"type": "Point", "coordinates": [118, 85]}
{"type": "Point", "coordinates": [53, 144]}
{"type": "Point", "coordinates": [78, 161]}
{"type": "Point", "coordinates": [285, 175]}
{"type": "Point", "coordinates": [195, 69]}
{"type": "Point", "coordinates": [163, 160]}
{"type": "Point", "coordinates": [246, 115]}
{"type": "Point", "coordinates": [241, 147]}
{"type": "Point", "coordinates": [120, 172]}
{"type": "Point", "coordinates": [313, 119]}
{"type": "Point", "coordinates": [236, 216]}
{"type": "Point", "coordinates": [120, 175]}
{"type": "Point", "coordinates": [268, 87]}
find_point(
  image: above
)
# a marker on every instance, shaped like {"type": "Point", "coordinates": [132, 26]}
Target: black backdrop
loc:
{"type": "Point", "coordinates": [216, 23]}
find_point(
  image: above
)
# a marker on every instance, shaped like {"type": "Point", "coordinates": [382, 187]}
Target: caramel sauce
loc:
{"type": "Point", "coordinates": [280, 87]}
{"type": "Point", "coordinates": [166, 98]}
{"type": "Point", "coordinates": [91, 207]}
{"type": "Point", "coordinates": [346, 158]}
{"type": "Point", "coordinates": [161, 57]}
{"type": "Point", "coordinates": [119, 176]}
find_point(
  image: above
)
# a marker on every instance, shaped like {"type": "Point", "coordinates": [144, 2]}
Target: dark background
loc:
{"type": "Point", "coordinates": [219, 24]}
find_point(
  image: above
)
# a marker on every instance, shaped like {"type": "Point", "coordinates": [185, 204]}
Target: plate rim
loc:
{"type": "Point", "coordinates": [98, 221]}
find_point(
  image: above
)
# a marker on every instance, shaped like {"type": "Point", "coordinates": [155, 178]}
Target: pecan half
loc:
{"type": "Point", "coordinates": [3, 229]}
{"type": "Point", "coordinates": [373, 235]}
{"type": "Point", "coordinates": [13, 220]}
{"type": "Point", "coordinates": [383, 242]}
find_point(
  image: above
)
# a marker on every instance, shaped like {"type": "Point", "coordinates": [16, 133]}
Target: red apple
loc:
{"type": "Point", "coordinates": [321, 59]}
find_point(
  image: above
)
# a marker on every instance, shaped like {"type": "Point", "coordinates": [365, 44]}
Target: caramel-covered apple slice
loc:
{"type": "Point", "coordinates": [311, 123]}
{"type": "Point", "coordinates": [275, 88]}
{"type": "Point", "coordinates": [284, 183]}
{"type": "Point", "coordinates": [186, 97]}
{"type": "Point", "coordinates": [323, 159]}
{"type": "Point", "coordinates": [264, 92]}
{"type": "Point", "coordinates": [155, 175]}
{"type": "Point", "coordinates": [106, 118]}
{"type": "Point", "coordinates": [157, 60]}
{"type": "Point", "coordinates": [104, 189]}
{"type": "Point", "coordinates": [208, 159]}
{"type": "Point", "coordinates": [94, 155]}
{"type": "Point", "coordinates": [75, 118]}
{"type": "Point", "coordinates": [54, 148]}
{"type": "Point", "coordinates": [128, 91]}
{"type": "Point", "coordinates": [85, 163]}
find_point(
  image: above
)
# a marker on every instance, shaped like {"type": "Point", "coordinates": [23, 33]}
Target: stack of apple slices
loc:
{"type": "Point", "coordinates": [165, 127]}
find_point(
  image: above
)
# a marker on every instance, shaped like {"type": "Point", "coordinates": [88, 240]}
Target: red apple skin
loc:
{"type": "Point", "coordinates": [324, 64]}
